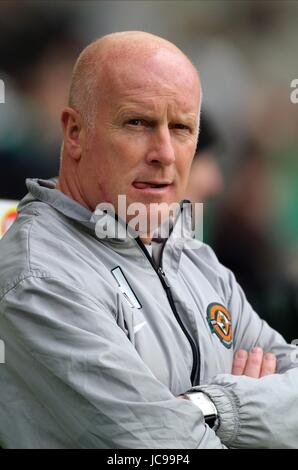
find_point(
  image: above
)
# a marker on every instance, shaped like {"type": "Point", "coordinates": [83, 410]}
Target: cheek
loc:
{"type": "Point", "coordinates": [114, 172]}
{"type": "Point", "coordinates": [130, 148]}
{"type": "Point", "coordinates": [183, 169]}
{"type": "Point", "coordinates": [123, 155]}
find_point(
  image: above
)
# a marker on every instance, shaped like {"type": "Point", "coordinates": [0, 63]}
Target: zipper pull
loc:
{"type": "Point", "coordinates": [162, 273]}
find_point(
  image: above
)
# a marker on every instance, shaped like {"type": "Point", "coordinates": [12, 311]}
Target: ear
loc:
{"type": "Point", "coordinates": [72, 128]}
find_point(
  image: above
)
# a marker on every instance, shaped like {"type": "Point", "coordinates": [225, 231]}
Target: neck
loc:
{"type": "Point", "coordinates": [146, 240]}
{"type": "Point", "coordinates": [70, 190]}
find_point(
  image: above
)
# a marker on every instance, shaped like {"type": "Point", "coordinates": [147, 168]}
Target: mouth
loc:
{"type": "Point", "coordinates": [151, 185]}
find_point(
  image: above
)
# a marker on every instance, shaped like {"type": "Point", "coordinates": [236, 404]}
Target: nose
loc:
{"type": "Point", "coordinates": [161, 150]}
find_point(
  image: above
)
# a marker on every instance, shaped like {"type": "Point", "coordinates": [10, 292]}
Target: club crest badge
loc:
{"type": "Point", "coordinates": [220, 322]}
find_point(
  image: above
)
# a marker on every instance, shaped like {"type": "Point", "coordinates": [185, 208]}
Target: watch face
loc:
{"type": "Point", "coordinates": [206, 405]}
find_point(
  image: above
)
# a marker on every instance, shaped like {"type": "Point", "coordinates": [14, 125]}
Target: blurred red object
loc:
{"type": "Point", "coordinates": [8, 213]}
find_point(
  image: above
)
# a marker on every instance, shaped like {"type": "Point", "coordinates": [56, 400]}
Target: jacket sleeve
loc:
{"type": "Point", "coordinates": [256, 413]}
{"type": "Point", "coordinates": [70, 356]}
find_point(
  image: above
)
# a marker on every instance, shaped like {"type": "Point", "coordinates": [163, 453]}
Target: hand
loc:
{"type": "Point", "coordinates": [254, 364]}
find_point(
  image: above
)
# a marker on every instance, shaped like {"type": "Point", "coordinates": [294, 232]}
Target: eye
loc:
{"type": "Point", "coordinates": [180, 126]}
{"type": "Point", "coordinates": [136, 122]}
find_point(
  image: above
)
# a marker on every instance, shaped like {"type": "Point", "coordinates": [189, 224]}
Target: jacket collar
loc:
{"type": "Point", "coordinates": [44, 191]}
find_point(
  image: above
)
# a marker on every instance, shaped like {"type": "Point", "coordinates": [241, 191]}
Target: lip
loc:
{"type": "Point", "coordinates": [165, 187]}
{"type": "Point", "coordinates": [154, 182]}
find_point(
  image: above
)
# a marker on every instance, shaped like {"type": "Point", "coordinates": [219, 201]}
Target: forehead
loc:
{"type": "Point", "coordinates": [150, 80]}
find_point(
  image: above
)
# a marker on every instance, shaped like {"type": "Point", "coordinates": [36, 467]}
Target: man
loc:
{"type": "Point", "coordinates": [104, 336]}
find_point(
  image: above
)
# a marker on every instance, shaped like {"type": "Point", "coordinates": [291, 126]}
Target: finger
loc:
{"type": "Point", "coordinates": [268, 364]}
{"type": "Point", "coordinates": [239, 362]}
{"type": "Point", "coordinates": [254, 363]}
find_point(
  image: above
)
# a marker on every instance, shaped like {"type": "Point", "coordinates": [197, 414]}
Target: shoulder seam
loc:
{"type": "Point", "coordinates": [25, 275]}
{"type": "Point", "coordinates": [46, 275]}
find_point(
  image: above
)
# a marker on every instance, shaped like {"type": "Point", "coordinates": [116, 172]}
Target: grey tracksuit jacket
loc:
{"type": "Point", "coordinates": [99, 341]}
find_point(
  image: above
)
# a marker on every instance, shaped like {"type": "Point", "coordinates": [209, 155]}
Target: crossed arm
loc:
{"type": "Point", "coordinates": [258, 408]}
{"type": "Point", "coordinates": [89, 387]}
{"type": "Point", "coordinates": [254, 363]}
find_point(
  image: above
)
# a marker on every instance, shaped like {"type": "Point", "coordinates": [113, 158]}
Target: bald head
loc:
{"type": "Point", "coordinates": [132, 124]}
{"type": "Point", "coordinates": [100, 62]}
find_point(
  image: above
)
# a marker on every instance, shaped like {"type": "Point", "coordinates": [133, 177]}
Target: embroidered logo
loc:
{"type": "Point", "coordinates": [220, 322]}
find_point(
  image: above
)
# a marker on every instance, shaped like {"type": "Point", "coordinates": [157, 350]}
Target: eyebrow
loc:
{"type": "Point", "coordinates": [138, 112]}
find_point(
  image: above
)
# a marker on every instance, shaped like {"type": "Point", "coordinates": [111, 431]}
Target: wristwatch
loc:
{"type": "Point", "coordinates": [206, 405]}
